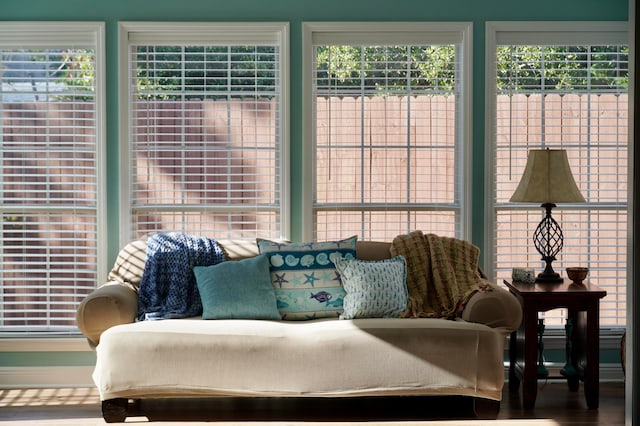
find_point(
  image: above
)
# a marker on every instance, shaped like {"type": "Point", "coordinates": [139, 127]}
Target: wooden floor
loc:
{"type": "Point", "coordinates": [555, 406]}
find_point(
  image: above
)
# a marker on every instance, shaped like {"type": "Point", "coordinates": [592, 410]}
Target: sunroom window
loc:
{"type": "Point", "coordinates": [564, 87]}
{"type": "Point", "coordinates": [51, 186]}
{"type": "Point", "coordinates": [387, 105]}
{"type": "Point", "coordinates": [205, 130]}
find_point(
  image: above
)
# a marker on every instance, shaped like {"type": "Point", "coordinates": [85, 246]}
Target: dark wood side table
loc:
{"type": "Point", "coordinates": [582, 302]}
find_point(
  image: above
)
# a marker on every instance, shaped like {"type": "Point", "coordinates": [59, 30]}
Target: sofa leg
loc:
{"type": "Point", "coordinates": [486, 408]}
{"type": "Point", "coordinates": [115, 410]}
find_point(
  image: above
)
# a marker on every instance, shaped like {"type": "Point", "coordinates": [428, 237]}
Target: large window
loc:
{"type": "Point", "coordinates": [51, 186]}
{"type": "Point", "coordinates": [386, 105]}
{"type": "Point", "coordinates": [563, 86]}
{"type": "Point", "coordinates": [204, 136]}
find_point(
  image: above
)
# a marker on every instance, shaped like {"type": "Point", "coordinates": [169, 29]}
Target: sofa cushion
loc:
{"type": "Point", "coordinates": [374, 289]}
{"type": "Point", "coordinates": [305, 280]}
{"type": "Point", "coordinates": [237, 289]}
{"type": "Point", "coordinates": [319, 358]}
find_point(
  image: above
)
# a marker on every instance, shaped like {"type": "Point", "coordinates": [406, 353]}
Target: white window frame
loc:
{"type": "Point", "coordinates": [54, 34]}
{"type": "Point", "coordinates": [553, 33]}
{"type": "Point", "coordinates": [389, 32]}
{"type": "Point", "coordinates": [198, 33]}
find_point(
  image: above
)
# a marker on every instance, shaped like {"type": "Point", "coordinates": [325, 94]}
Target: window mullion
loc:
{"type": "Point", "coordinates": [409, 118]}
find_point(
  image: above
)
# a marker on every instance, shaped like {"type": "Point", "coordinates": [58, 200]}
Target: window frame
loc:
{"type": "Point", "coordinates": [199, 32]}
{"type": "Point", "coordinates": [74, 33]}
{"type": "Point", "coordinates": [526, 33]}
{"type": "Point", "coordinates": [363, 32]}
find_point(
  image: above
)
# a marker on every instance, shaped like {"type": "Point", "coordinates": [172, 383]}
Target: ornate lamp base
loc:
{"type": "Point", "coordinates": [548, 240]}
{"type": "Point", "coordinates": [549, 276]}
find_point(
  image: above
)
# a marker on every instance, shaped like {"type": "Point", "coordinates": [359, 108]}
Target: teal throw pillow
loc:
{"type": "Point", "coordinates": [304, 278]}
{"type": "Point", "coordinates": [237, 289]}
{"type": "Point", "coordinates": [374, 289]}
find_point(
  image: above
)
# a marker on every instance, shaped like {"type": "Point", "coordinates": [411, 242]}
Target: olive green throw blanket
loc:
{"type": "Point", "coordinates": [442, 273]}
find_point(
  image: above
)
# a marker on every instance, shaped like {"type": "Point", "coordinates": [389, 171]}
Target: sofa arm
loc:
{"type": "Point", "coordinates": [109, 305]}
{"type": "Point", "coordinates": [496, 308]}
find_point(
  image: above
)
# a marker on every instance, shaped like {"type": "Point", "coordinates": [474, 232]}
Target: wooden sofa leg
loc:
{"type": "Point", "coordinates": [487, 409]}
{"type": "Point", "coordinates": [115, 410]}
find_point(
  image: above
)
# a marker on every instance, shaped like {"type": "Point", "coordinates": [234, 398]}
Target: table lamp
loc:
{"type": "Point", "coordinates": [547, 179]}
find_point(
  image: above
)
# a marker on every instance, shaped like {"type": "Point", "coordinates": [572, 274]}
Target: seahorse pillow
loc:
{"type": "Point", "coordinates": [304, 277]}
{"type": "Point", "coordinates": [374, 289]}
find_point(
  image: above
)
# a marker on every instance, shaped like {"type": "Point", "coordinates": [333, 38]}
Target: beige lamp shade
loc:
{"type": "Point", "coordinates": [547, 178]}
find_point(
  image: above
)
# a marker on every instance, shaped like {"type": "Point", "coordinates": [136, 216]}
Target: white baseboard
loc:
{"type": "Point", "coordinates": [45, 377]}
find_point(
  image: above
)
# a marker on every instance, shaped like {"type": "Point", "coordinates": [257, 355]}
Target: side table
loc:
{"type": "Point", "coordinates": [583, 347]}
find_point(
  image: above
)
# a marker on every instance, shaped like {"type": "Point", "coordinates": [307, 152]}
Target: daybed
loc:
{"type": "Point", "coordinates": [292, 357]}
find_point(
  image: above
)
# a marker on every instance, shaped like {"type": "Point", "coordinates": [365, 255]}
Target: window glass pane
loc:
{"type": "Point", "coordinates": [48, 186]}
{"type": "Point", "coordinates": [206, 140]}
{"type": "Point", "coordinates": [386, 146]}
{"type": "Point", "coordinates": [574, 98]}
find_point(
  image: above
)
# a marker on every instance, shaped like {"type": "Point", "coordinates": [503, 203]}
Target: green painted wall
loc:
{"type": "Point", "coordinates": [295, 12]}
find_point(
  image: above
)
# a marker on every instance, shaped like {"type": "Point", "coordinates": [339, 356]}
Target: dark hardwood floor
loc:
{"type": "Point", "coordinates": [555, 405]}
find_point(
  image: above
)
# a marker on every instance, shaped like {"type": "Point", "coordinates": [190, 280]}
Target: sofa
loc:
{"type": "Point", "coordinates": [249, 354]}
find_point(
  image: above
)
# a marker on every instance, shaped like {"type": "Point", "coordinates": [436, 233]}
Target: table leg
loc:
{"type": "Point", "coordinates": [514, 381]}
{"type": "Point", "coordinates": [530, 374]}
{"type": "Point", "coordinates": [592, 369]}
{"type": "Point", "coordinates": [569, 371]}
{"type": "Point", "coordinates": [542, 370]}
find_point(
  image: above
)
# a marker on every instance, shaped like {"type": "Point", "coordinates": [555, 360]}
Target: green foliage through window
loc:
{"type": "Point", "coordinates": [562, 68]}
{"type": "Point", "coordinates": [388, 70]}
{"type": "Point", "coordinates": [189, 72]}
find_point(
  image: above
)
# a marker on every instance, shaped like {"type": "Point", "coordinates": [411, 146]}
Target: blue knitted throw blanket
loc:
{"type": "Point", "coordinates": [168, 286]}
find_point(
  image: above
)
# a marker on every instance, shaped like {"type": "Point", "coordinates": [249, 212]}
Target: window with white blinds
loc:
{"type": "Point", "coordinates": [564, 88]}
{"type": "Point", "coordinates": [206, 130]}
{"type": "Point", "coordinates": [50, 183]}
{"type": "Point", "coordinates": [387, 107]}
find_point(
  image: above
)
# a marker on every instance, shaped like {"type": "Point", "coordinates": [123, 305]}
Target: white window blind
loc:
{"type": "Point", "coordinates": [50, 185]}
{"type": "Point", "coordinates": [572, 96]}
{"type": "Point", "coordinates": [206, 138]}
{"type": "Point", "coordinates": [388, 146]}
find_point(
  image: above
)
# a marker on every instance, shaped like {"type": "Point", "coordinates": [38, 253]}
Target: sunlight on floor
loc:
{"type": "Point", "coordinates": [48, 397]}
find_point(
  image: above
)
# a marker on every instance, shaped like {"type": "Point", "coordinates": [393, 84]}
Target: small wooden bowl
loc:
{"type": "Point", "coordinates": [577, 274]}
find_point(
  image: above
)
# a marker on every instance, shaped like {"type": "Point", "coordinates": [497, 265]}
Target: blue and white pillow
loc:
{"type": "Point", "coordinates": [375, 289]}
{"type": "Point", "coordinates": [304, 277]}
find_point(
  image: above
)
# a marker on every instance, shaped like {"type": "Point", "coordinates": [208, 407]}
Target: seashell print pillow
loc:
{"type": "Point", "coordinates": [304, 277]}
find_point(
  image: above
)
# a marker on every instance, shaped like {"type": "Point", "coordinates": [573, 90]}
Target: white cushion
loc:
{"type": "Point", "coordinates": [327, 357]}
